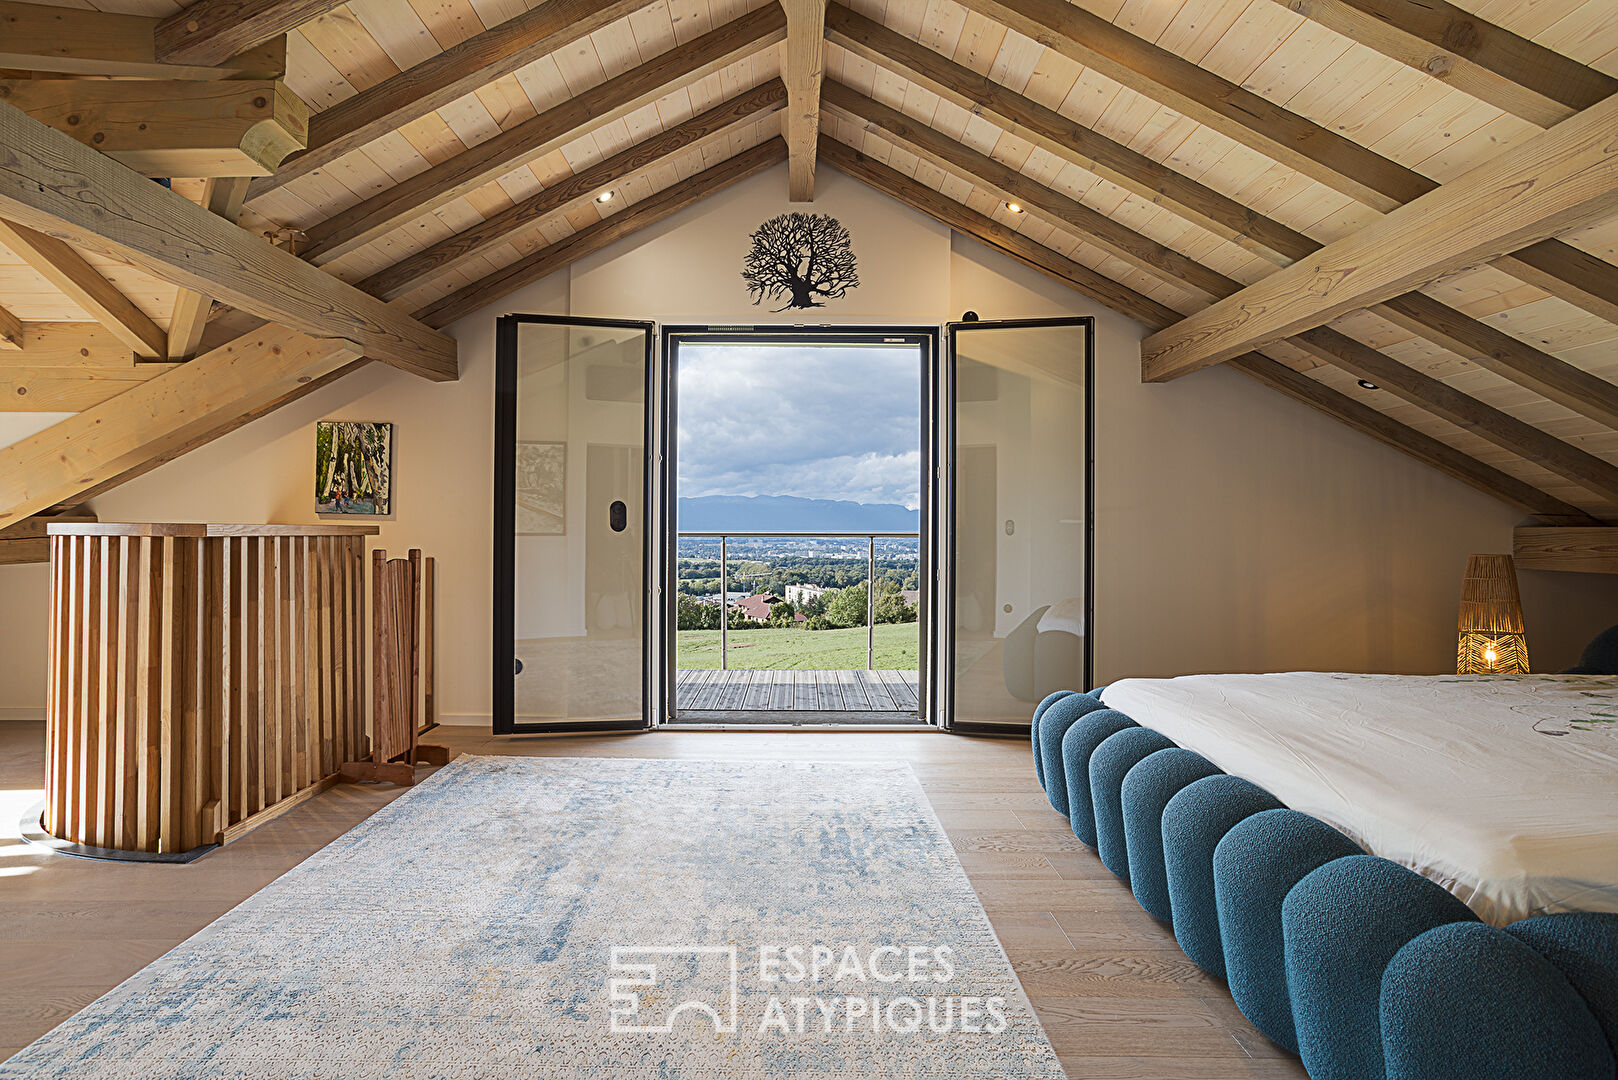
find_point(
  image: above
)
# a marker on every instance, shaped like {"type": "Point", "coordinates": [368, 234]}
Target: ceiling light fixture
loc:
{"type": "Point", "coordinates": [1015, 208]}
{"type": "Point", "coordinates": [604, 197]}
{"type": "Point", "coordinates": [1367, 384]}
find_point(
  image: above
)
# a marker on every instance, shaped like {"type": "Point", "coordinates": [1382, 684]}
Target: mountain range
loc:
{"type": "Point", "coordinates": [788, 513]}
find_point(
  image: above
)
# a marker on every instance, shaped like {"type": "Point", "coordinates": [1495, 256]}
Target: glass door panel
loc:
{"type": "Point", "coordinates": [1019, 430]}
{"type": "Point", "coordinates": [571, 598]}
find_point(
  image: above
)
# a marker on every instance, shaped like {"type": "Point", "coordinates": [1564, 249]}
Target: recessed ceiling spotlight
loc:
{"type": "Point", "coordinates": [604, 197]}
{"type": "Point", "coordinates": [1015, 208]}
{"type": "Point", "coordinates": [1367, 384]}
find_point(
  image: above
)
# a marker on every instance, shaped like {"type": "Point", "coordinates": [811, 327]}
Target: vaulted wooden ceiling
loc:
{"type": "Point", "coordinates": [1413, 194]}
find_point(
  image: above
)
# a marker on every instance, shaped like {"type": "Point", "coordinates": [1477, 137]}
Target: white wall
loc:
{"type": "Point", "coordinates": [1236, 529]}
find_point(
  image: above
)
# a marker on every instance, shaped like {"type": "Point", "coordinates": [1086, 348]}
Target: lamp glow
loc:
{"type": "Point", "coordinates": [1492, 640]}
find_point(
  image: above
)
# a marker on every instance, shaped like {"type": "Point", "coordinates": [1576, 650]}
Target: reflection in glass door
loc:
{"type": "Point", "coordinates": [571, 505]}
{"type": "Point", "coordinates": [1019, 445]}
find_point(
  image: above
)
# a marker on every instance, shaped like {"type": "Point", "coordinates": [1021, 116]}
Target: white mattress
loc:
{"type": "Point", "coordinates": [1503, 789]}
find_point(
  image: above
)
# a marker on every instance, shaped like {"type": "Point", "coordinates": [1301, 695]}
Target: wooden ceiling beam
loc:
{"type": "Point", "coordinates": [942, 208]}
{"type": "Point", "coordinates": [69, 345]}
{"type": "Point", "coordinates": [1510, 358]}
{"type": "Point", "coordinates": [444, 78]}
{"type": "Point", "coordinates": [803, 68]}
{"type": "Point", "coordinates": [1052, 207]}
{"type": "Point", "coordinates": [1567, 273]}
{"type": "Point", "coordinates": [82, 283]}
{"type": "Point", "coordinates": [717, 123]}
{"type": "Point", "coordinates": [1558, 180]}
{"type": "Point", "coordinates": [1581, 550]}
{"type": "Point", "coordinates": [594, 237]}
{"type": "Point", "coordinates": [11, 332]}
{"type": "Point", "coordinates": [154, 417]}
{"type": "Point", "coordinates": [1456, 47]}
{"type": "Point", "coordinates": [48, 181]}
{"type": "Point", "coordinates": [1066, 139]}
{"type": "Point", "coordinates": [37, 37]}
{"type": "Point", "coordinates": [1462, 410]}
{"type": "Point", "coordinates": [550, 130]}
{"type": "Point", "coordinates": [1419, 445]}
{"type": "Point", "coordinates": [172, 127]}
{"type": "Point", "coordinates": [210, 32]}
{"type": "Point", "coordinates": [221, 196]}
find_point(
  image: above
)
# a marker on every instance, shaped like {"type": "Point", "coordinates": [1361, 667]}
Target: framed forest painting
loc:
{"type": "Point", "coordinates": [353, 467]}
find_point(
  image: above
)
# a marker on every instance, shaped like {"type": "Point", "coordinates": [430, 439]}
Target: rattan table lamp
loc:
{"type": "Point", "coordinates": [1492, 641]}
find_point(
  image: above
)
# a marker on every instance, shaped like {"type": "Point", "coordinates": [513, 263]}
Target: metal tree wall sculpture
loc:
{"type": "Point", "coordinates": [806, 257]}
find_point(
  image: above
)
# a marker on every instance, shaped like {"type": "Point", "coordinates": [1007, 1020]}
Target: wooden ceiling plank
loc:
{"type": "Point", "coordinates": [1462, 410]}
{"type": "Point", "coordinates": [11, 334]}
{"type": "Point", "coordinates": [1506, 356]}
{"type": "Point", "coordinates": [1477, 57]}
{"type": "Point", "coordinates": [443, 79]}
{"type": "Point", "coordinates": [1558, 180]}
{"type": "Point", "coordinates": [931, 145]}
{"type": "Point", "coordinates": [82, 283]}
{"type": "Point", "coordinates": [717, 123]}
{"type": "Point", "coordinates": [49, 181]}
{"type": "Point", "coordinates": [803, 67]}
{"type": "Point", "coordinates": [942, 208]}
{"type": "Point", "coordinates": [124, 432]}
{"type": "Point", "coordinates": [223, 197]}
{"type": "Point", "coordinates": [210, 32]}
{"type": "Point", "coordinates": [550, 130]}
{"type": "Point", "coordinates": [172, 127]}
{"type": "Point", "coordinates": [1419, 445]}
{"type": "Point", "coordinates": [1066, 139]}
{"type": "Point", "coordinates": [37, 37]}
{"type": "Point", "coordinates": [595, 237]}
{"type": "Point", "coordinates": [1254, 121]}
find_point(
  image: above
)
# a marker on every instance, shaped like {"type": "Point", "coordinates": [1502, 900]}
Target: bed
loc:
{"type": "Point", "coordinates": [1502, 789]}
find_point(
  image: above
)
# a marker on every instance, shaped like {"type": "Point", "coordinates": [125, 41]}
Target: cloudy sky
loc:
{"type": "Point", "coordinates": [819, 423]}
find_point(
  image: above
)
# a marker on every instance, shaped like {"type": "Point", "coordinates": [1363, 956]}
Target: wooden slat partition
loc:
{"type": "Point", "coordinates": [203, 678]}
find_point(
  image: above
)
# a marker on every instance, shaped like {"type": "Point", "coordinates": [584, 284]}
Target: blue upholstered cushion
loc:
{"type": "Point", "coordinates": [1256, 864]}
{"type": "Point", "coordinates": [1061, 716]}
{"type": "Point", "coordinates": [1078, 745]}
{"type": "Point", "coordinates": [1147, 789]}
{"type": "Point", "coordinates": [1194, 821]}
{"type": "Point", "coordinates": [1033, 730]}
{"type": "Point", "coordinates": [1341, 925]}
{"type": "Point", "coordinates": [1110, 763]}
{"type": "Point", "coordinates": [1600, 656]}
{"type": "Point", "coordinates": [1469, 1002]}
{"type": "Point", "coordinates": [1584, 947]}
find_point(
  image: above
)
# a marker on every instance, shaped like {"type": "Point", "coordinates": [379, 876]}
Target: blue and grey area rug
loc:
{"type": "Point", "coordinates": [523, 918]}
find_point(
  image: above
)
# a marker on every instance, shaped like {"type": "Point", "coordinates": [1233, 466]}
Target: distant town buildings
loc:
{"type": "Point", "coordinates": [802, 594]}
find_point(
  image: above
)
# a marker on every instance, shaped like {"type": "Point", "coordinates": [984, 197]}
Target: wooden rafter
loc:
{"type": "Point", "coordinates": [1558, 180]}
{"type": "Point", "coordinates": [1066, 139]}
{"type": "Point", "coordinates": [444, 78]}
{"type": "Point", "coordinates": [172, 127]}
{"type": "Point", "coordinates": [564, 195]}
{"type": "Point", "coordinates": [223, 197]}
{"type": "Point", "coordinates": [803, 67]}
{"type": "Point", "coordinates": [1588, 550]}
{"type": "Point", "coordinates": [38, 37]}
{"type": "Point", "coordinates": [82, 283]}
{"type": "Point", "coordinates": [45, 178]}
{"type": "Point", "coordinates": [1569, 274]}
{"type": "Point", "coordinates": [1462, 410]}
{"type": "Point", "coordinates": [1449, 43]}
{"type": "Point", "coordinates": [11, 332]}
{"type": "Point", "coordinates": [594, 237]}
{"type": "Point", "coordinates": [210, 32]}
{"type": "Point", "coordinates": [550, 130]}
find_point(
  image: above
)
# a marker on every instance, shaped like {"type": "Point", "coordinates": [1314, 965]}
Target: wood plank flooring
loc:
{"type": "Point", "coordinates": [749, 690]}
{"type": "Point", "coordinates": [1117, 997]}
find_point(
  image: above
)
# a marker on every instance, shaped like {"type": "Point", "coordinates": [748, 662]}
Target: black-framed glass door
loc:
{"type": "Point", "coordinates": [573, 549]}
{"type": "Point", "coordinates": [1016, 517]}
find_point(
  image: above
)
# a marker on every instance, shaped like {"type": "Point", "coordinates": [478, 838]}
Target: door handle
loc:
{"type": "Point", "coordinates": [618, 516]}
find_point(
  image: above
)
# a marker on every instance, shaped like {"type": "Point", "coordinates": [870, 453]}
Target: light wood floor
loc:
{"type": "Point", "coordinates": [744, 690]}
{"type": "Point", "coordinates": [1117, 997]}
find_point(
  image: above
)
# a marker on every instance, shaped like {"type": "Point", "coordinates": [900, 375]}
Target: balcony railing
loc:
{"type": "Point", "coordinates": [870, 581]}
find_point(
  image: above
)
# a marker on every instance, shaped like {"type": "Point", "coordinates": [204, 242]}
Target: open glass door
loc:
{"type": "Point", "coordinates": [573, 424]}
{"type": "Point", "coordinates": [1016, 516]}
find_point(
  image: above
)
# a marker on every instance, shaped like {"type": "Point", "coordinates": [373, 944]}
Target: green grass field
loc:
{"type": "Point", "coordinates": [897, 646]}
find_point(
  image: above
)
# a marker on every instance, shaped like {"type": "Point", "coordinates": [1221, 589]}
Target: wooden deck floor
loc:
{"type": "Point", "coordinates": [745, 690]}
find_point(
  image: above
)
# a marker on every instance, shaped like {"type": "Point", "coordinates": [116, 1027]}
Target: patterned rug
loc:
{"type": "Point", "coordinates": [568, 918]}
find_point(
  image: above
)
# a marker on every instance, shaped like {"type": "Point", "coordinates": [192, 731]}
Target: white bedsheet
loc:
{"type": "Point", "coordinates": [1503, 789]}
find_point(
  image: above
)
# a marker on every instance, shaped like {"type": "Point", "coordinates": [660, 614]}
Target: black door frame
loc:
{"type": "Point", "coordinates": [925, 337]}
{"type": "Point", "coordinates": [946, 529]}
{"type": "Point", "coordinates": [507, 328]}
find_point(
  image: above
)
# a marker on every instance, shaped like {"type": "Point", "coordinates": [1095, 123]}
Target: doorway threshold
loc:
{"type": "Point", "coordinates": [794, 718]}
